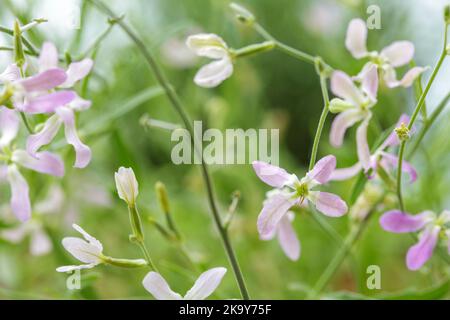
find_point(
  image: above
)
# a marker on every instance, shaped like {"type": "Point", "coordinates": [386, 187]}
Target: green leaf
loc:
{"type": "Point", "coordinates": [436, 292]}
{"type": "Point", "coordinates": [358, 187]}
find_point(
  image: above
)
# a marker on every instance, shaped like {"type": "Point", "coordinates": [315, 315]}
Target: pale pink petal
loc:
{"type": "Point", "coordinates": [411, 75]}
{"type": "Point", "coordinates": [346, 173]}
{"type": "Point", "coordinates": [288, 238]}
{"type": "Point", "coordinates": [159, 288]}
{"type": "Point", "coordinates": [323, 169]}
{"type": "Point", "coordinates": [400, 222]}
{"type": "Point", "coordinates": [356, 38]}
{"type": "Point", "coordinates": [370, 82]}
{"type": "Point", "coordinates": [45, 136]}
{"type": "Point", "coordinates": [80, 104]}
{"type": "Point", "coordinates": [272, 175]}
{"type": "Point", "coordinates": [40, 243]}
{"type": "Point", "coordinates": [421, 252]}
{"type": "Point", "coordinates": [77, 71]}
{"type": "Point", "coordinates": [9, 126]}
{"type": "Point", "coordinates": [45, 80]}
{"type": "Point", "coordinates": [398, 53]}
{"type": "Point", "coordinates": [83, 152]}
{"type": "Point", "coordinates": [214, 73]}
{"type": "Point", "coordinates": [390, 77]}
{"type": "Point", "coordinates": [362, 146]}
{"type": "Point", "coordinates": [206, 284]}
{"type": "Point", "coordinates": [343, 87]}
{"type": "Point", "coordinates": [44, 162]}
{"type": "Point", "coordinates": [330, 204]}
{"type": "Point", "coordinates": [49, 103]}
{"type": "Point", "coordinates": [274, 209]}
{"type": "Point", "coordinates": [407, 167]}
{"type": "Point", "coordinates": [341, 123]}
{"type": "Point", "coordinates": [20, 199]}
{"type": "Point", "coordinates": [48, 59]}
{"type": "Point", "coordinates": [11, 74]}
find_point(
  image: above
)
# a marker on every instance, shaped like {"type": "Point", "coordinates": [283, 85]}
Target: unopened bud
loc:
{"type": "Point", "coordinates": [19, 55]}
{"type": "Point", "coordinates": [447, 14]}
{"type": "Point", "coordinates": [163, 199]}
{"type": "Point", "coordinates": [338, 105]}
{"type": "Point", "coordinates": [242, 14]}
{"type": "Point", "coordinates": [403, 132]}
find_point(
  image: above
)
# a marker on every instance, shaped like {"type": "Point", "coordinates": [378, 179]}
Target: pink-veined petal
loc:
{"type": "Point", "coordinates": [356, 38]}
{"type": "Point", "coordinates": [288, 238]}
{"type": "Point", "coordinates": [9, 126]}
{"type": "Point", "coordinates": [77, 71]}
{"type": "Point", "coordinates": [48, 103]}
{"type": "Point", "coordinates": [330, 204]}
{"type": "Point", "coordinates": [341, 123]}
{"type": "Point", "coordinates": [421, 252]}
{"type": "Point", "coordinates": [398, 53]}
{"type": "Point", "coordinates": [274, 209]}
{"type": "Point", "coordinates": [400, 222]}
{"type": "Point", "coordinates": [83, 152]}
{"type": "Point", "coordinates": [346, 173]}
{"type": "Point", "coordinates": [214, 73]}
{"type": "Point", "coordinates": [44, 162]}
{"type": "Point", "coordinates": [45, 80]}
{"type": "Point", "coordinates": [48, 59]}
{"type": "Point", "coordinates": [206, 284]}
{"type": "Point", "coordinates": [362, 146]}
{"type": "Point", "coordinates": [411, 75]}
{"type": "Point", "coordinates": [159, 288]}
{"type": "Point", "coordinates": [45, 136]}
{"type": "Point", "coordinates": [272, 175]}
{"type": "Point", "coordinates": [323, 169]}
{"type": "Point", "coordinates": [20, 198]}
{"type": "Point", "coordinates": [407, 167]}
{"type": "Point", "coordinates": [11, 74]}
{"type": "Point", "coordinates": [369, 82]}
{"type": "Point", "coordinates": [343, 87]}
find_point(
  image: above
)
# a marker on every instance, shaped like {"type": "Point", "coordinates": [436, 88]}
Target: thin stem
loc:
{"type": "Point", "coordinates": [399, 176]}
{"type": "Point", "coordinates": [147, 255]}
{"type": "Point", "coordinates": [99, 39]}
{"type": "Point", "coordinates": [32, 50]}
{"type": "Point", "coordinates": [176, 103]}
{"type": "Point", "coordinates": [25, 121]}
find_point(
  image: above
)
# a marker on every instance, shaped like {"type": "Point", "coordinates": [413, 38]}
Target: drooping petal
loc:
{"type": "Point", "coordinates": [73, 268]}
{"type": "Point", "coordinates": [274, 209]}
{"type": "Point", "coordinates": [369, 82]}
{"type": "Point", "coordinates": [346, 173]}
{"type": "Point", "coordinates": [43, 162]}
{"type": "Point", "coordinates": [421, 252]}
{"type": "Point", "coordinates": [11, 74]}
{"type": "Point", "coordinates": [82, 250]}
{"type": "Point", "coordinates": [45, 80]}
{"type": "Point", "coordinates": [214, 73]}
{"type": "Point", "coordinates": [272, 175]}
{"type": "Point", "coordinates": [362, 146]}
{"type": "Point", "coordinates": [330, 204]}
{"type": "Point", "coordinates": [40, 243]}
{"type": "Point", "coordinates": [20, 198]}
{"type": "Point", "coordinates": [206, 284]}
{"type": "Point", "coordinates": [159, 288]}
{"type": "Point", "coordinates": [48, 59]}
{"type": "Point", "coordinates": [92, 241]}
{"type": "Point", "coordinates": [323, 169]}
{"type": "Point", "coordinates": [9, 126]}
{"type": "Point", "coordinates": [77, 71]}
{"type": "Point", "coordinates": [343, 87]}
{"type": "Point", "coordinates": [341, 123]}
{"type": "Point", "coordinates": [356, 38]}
{"type": "Point", "coordinates": [208, 45]}
{"type": "Point", "coordinates": [288, 238]}
{"type": "Point", "coordinates": [45, 136]}
{"type": "Point", "coordinates": [398, 53]}
{"type": "Point", "coordinates": [400, 222]}
{"type": "Point", "coordinates": [82, 151]}
{"type": "Point", "coordinates": [410, 76]}
{"type": "Point", "coordinates": [407, 167]}
{"type": "Point", "coordinates": [48, 103]}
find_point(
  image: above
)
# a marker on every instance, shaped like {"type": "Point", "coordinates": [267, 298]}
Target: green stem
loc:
{"type": "Point", "coordinates": [177, 105]}
{"type": "Point", "coordinates": [399, 176]}
{"type": "Point", "coordinates": [147, 255]}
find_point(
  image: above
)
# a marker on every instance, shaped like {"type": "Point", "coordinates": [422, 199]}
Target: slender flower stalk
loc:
{"type": "Point", "coordinates": [176, 103]}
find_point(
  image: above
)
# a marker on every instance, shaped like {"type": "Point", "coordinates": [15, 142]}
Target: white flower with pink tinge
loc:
{"type": "Point", "coordinates": [397, 54]}
{"type": "Point", "coordinates": [292, 191]}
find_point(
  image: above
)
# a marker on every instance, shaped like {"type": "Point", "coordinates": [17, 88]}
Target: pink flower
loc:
{"type": "Point", "coordinates": [353, 105]}
{"type": "Point", "coordinates": [64, 114]}
{"type": "Point", "coordinates": [292, 191]}
{"type": "Point", "coordinates": [430, 226]}
{"type": "Point", "coordinates": [397, 54]}
{"type": "Point", "coordinates": [379, 158]}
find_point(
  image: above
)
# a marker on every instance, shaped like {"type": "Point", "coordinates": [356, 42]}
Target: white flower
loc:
{"type": "Point", "coordinates": [211, 46]}
{"type": "Point", "coordinates": [127, 185]}
{"type": "Point", "coordinates": [89, 251]}
{"type": "Point", "coordinates": [203, 287]}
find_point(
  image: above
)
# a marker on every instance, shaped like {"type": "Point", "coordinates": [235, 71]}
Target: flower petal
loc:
{"type": "Point", "coordinates": [356, 38]}
{"type": "Point", "coordinates": [272, 175]}
{"type": "Point", "coordinates": [45, 80]}
{"type": "Point", "coordinates": [362, 146]}
{"type": "Point", "coordinates": [11, 74]}
{"type": "Point", "coordinates": [398, 53]}
{"type": "Point", "coordinates": [214, 73]}
{"type": "Point", "coordinates": [208, 45]}
{"type": "Point", "coordinates": [407, 167]}
{"type": "Point", "coordinates": [9, 126]}
{"type": "Point", "coordinates": [40, 243]}
{"type": "Point", "coordinates": [20, 199]}
{"type": "Point", "coordinates": [288, 238]}
{"type": "Point", "coordinates": [206, 284]}
{"type": "Point", "coordinates": [343, 87]}
{"type": "Point", "coordinates": [341, 123]}
{"type": "Point", "coordinates": [323, 169]}
{"type": "Point", "coordinates": [411, 75]}
{"type": "Point", "coordinates": [92, 241]}
{"type": "Point", "coordinates": [82, 151]}
{"type": "Point", "coordinates": [73, 268]}
{"type": "Point", "coordinates": [330, 204]}
{"type": "Point", "coordinates": [399, 222]}
{"type": "Point", "coordinates": [158, 287]}
{"type": "Point", "coordinates": [77, 71]}
{"type": "Point", "coordinates": [421, 252]}
{"type": "Point", "coordinates": [369, 82]}
{"type": "Point", "coordinates": [82, 250]}
{"type": "Point", "coordinates": [49, 102]}
{"type": "Point", "coordinates": [274, 209]}
{"type": "Point", "coordinates": [346, 173]}
{"type": "Point", "coordinates": [45, 136]}
{"type": "Point", "coordinates": [48, 59]}
{"type": "Point", "coordinates": [44, 162]}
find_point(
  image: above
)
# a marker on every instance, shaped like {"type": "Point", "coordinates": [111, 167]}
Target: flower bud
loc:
{"type": "Point", "coordinates": [338, 105]}
{"type": "Point", "coordinates": [403, 132]}
{"type": "Point", "coordinates": [447, 14]}
{"type": "Point", "coordinates": [127, 185]}
{"type": "Point", "coordinates": [163, 199]}
{"type": "Point", "coordinates": [19, 55]}
{"type": "Point", "coordinates": [242, 14]}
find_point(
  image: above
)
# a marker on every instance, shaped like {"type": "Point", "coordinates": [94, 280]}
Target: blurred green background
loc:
{"type": "Point", "coordinates": [270, 90]}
